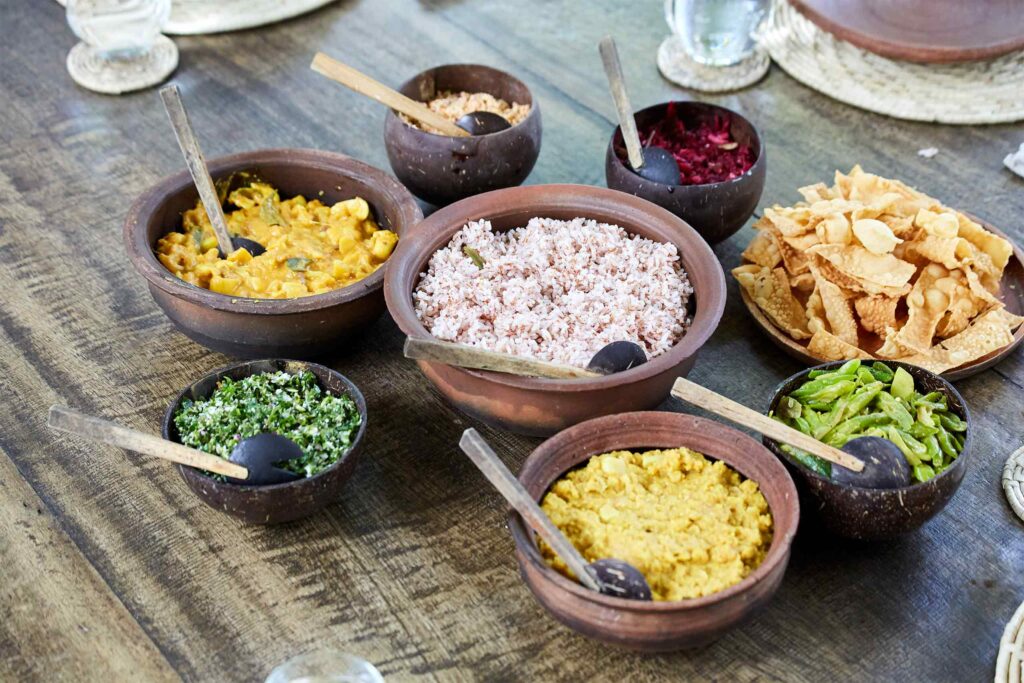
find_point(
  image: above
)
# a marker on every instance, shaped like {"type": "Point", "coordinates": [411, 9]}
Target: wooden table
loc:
{"type": "Point", "coordinates": [112, 570]}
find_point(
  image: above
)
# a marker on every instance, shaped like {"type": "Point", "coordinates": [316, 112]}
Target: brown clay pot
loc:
{"type": "Point", "coordinates": [875, 514]}
{"type": "Point", "coordinates": [297, 328]}
{"type": "Point", "coordinates": [441, 169]}
{"type": "Point", "coordinates": [540, 407]}
{"type": "Point", "coordinates": [275, 503]}
{"type": "Point", "coordinates": [715, 210]}
{"type": "Point", "coordinates": [642, 625]}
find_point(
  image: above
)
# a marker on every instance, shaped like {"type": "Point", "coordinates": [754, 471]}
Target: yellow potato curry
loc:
{"type": "Point", "coordinates": [311, 248]}
{"type": "Point", "coordinates": [691, 525]}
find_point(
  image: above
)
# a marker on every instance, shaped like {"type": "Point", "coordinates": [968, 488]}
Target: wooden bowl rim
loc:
{"type": "Point", "coordinates": [496, 74]}
{"type": "Point", "coordinates": [140, 252]}
{"type": "Point", "coordinates": [782, 539]}
{"type": "Point", "coordinates": [440, 226]}
{"type": "Point", "coordinates": [960, 463]}
{"type": "Point", "coordinates": [799, 351]}
{"type": "Point", "coordinates": [285, 365]}
{"type": "Point", "coordinates": [759, 161]}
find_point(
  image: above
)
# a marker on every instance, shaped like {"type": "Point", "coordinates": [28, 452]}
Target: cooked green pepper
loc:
{"type": "Point", "coordinates": [952, 423]}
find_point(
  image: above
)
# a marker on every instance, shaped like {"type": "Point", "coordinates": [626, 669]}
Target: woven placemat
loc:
{"type": "Point", "coordinates": [678, 67]}
{"type": "Point", "coordinates": [1010, 661]}
{"type": "Point", "coordinates": [1013, 481]}
{"type": "Point", "coordinates": [990, 91]}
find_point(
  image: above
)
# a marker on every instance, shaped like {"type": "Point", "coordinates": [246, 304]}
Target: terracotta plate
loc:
{"type": "Point", "coordinates": [1011, 292]}
{"type": "Point", "coordinates": [931, 31]}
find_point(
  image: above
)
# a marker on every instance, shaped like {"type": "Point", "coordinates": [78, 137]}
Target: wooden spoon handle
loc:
{"type": "Point", "coordinates": [617, 85]}
{"type": "Point", "coordinates": [196, 162]}
{"type": "Point", "coordinates": [494, 469]}
{"type": "Point", "coordinates": [104, 431]}
{"type": "Point", "coordinates": [364, 85]}
{"type": "Point", "coordinates": [465, 356]}
{"type": "Point", "coordinates": [685, 390]}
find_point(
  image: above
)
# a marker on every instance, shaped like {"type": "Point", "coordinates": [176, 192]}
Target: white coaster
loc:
{"type": "Point", "coordinates": [1013, 481]}
{"type": "Point", "coordinates": [113, 77]}
{"type": "Point", "coordinates": [681, 69]}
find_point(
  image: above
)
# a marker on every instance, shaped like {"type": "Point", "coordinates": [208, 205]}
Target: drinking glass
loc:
{"type": "Point", "coordinates": [716, 32]}
{"type": "Point", "coordinates": [325, 666]}
{"type": "Point", "coordinates": [122, 48]}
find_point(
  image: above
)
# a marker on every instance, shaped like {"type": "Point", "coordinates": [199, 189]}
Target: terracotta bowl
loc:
{"type": "Point", "coordinates": [540, 407]}
{"type": "Point", "coordinates": [655, 626]}
{"type": "Point", "coordinates": [441, 169]}
{"type": "Point", "coordinates": [297, 328]}
{"type": "Point", "coordinates": [274, 503]}
{"type": "Point", "coordinates": [874, 514]}
{"type": "Point", "coordinates": [716, 210]}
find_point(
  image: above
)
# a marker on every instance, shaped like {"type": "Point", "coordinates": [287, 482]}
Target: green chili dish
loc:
{"type": "Point", "coordinates": [322, 424]}
{"type": "Point", "coordinates": [836, 406]}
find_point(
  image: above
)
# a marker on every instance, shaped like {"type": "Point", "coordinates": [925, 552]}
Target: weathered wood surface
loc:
{"type": "Point", "coordinates": [112, 570]}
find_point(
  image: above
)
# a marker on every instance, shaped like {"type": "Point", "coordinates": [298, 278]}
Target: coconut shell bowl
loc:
{"type": "Point", "coordinates": [306, 327]}
{"type": "Point", "coordinates": [273, 503]}
{"type": "Point", "coordinates": [441, 169]}
{"type": "Point", "coordinates": [715, 210]}
{"type": "Point", "coordinates": [644, 625]}
{"type": "Point", "coordinates": [541, 407]}
{"type": "Point", "coordinates": [869, 513]}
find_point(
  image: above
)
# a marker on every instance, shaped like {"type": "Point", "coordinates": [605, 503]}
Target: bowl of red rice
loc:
{"type": "Point", "coordinates": [554, 272]}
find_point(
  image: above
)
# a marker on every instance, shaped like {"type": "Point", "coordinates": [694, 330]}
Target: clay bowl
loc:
{"type": "Point", "coordinates": [1011, 293]}
{"type": "Point", "coordinates": [715, 210]}
{"type": "Point", "coordinates": [275, 503]}
{"type": "Point", "coordinates": [876, 514]}
{"type": "Point", "coordinates": [296, 328]}
{"type": "Point", "coordinates": [441, 169]}
{"type": "Point", "coordinates": [655, 626]}
{"type": "Point", "coordinates": [540, 407]}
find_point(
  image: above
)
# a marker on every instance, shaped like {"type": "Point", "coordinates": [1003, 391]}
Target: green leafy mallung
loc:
{"type": "Point", "coordinates": [858, 400]}
{"type": "Point", "coordinates": [322, 424]}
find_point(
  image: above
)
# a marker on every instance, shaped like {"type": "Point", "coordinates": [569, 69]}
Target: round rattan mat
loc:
{"type": "Point", "coordinates": [964, 93]}
{"type": "Point", "coordinates": [678, 67]}
{"type": "Point", "coordinates": [1010, 661]}
{"type": "Point", "coordinates": [1013, 481]}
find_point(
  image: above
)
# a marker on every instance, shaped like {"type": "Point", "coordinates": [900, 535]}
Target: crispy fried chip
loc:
{"type": "Point", "coordinates": [989, 332]}
{"type": "Point", "coordinates": [794, 259]}
{"type": "Point", "coordinates": [763, 251]}
{"type": "Point", "coordinates": [770, 291]}
{"type": "Point", "coordinates": [927, 304]}
{"type": "Point", "coordinates": [830, 347]}
{"type": "Point", "coordinates": [838, 310]}
{"type": "Point", "coordinates": [791, 222]}
{"type": "Point", "coordinates": [876, 312]}
{"type": "Point", "coordinates": [998, 249]}
{"type": "Point", "coordinates": [872, 273]}
{"type": "Point", "coordinates": [815, 193]}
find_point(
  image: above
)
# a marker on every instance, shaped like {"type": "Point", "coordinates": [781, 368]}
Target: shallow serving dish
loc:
{"type": "Point", "coordinates": [441, 169]}
{"type": "Point", "coordinates": [871, 514]}
{"type": "Point", "coordinates": [274, 503]}
{"type": "Point", "coordinates": [541, 407]}
{"type": "Point", "coordinates": [299, 328]}
{"type": "Point", "coordinates": [715, 210]}
{"type": "Point", "coordinates": [642, 625]}
{"type": "Point", "coordinates": [1011, 292]}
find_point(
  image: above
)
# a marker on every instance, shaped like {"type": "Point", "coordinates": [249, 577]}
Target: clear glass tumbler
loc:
{"type": "Point", "coordinates": [122, 48]}
{"type": "Point", "coordinates": [716, 32]}
{"type": "Point", "coordinates": [325, 666]}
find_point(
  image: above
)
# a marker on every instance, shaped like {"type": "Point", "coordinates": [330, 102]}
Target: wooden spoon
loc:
{"type": "Point", "coordinates": [607, 576]}
{"type": "Point", "coordinates": [883, 464]}
{"type": "Point", "coordinates": [651, 163]}
{"type": "Point", "coordinates": [196, 162]}
{"type": "Point", "coordinates": [251, 461]}
{"type": "Point", "coordinates": [615, 357]}
{"type": "Point", "coordinates": [474, 123]}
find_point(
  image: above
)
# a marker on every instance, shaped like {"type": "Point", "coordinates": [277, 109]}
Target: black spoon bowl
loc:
{"type": "Point", "coordinates": [260, 454]}
{"type": "Point", "coordinates": [885, 466]}
{"type": "Point", "coordinates": [618, 356]}
{"type": "Point", "coordinates": [251, 246]}
{"type": "Point", "coordinates": [620, 579]}
{"type": "Point", "coordinates": [485, 123]}
{"type": "Point", "coordinates": [659, 166]}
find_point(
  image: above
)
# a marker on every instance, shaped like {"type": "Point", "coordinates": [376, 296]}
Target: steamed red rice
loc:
{"type": "Point", "coordinates": [555, 290]}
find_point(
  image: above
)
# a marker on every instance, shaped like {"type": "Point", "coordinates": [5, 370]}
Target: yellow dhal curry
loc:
{"type": "Point", "coordinates": [311, 248]}
{"type": "Point", "coordinates": [692, 526]}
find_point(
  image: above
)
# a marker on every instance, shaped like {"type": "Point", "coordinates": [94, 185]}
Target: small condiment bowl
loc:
{"type": "Point", "coordinates": [642, 625]}
{"type": "Point", "coordinates": [441, 169]}
{"type": "Point", "coordinates": [876, 514]}
{"type": "Point", "coordinates": [274, 503]}
{"type": "Point", "coordinates": [305, 327]}
{"type": "Point", "coordinates": [541, 407]}
{"type": "Point", "coordinates": [715, 210]}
